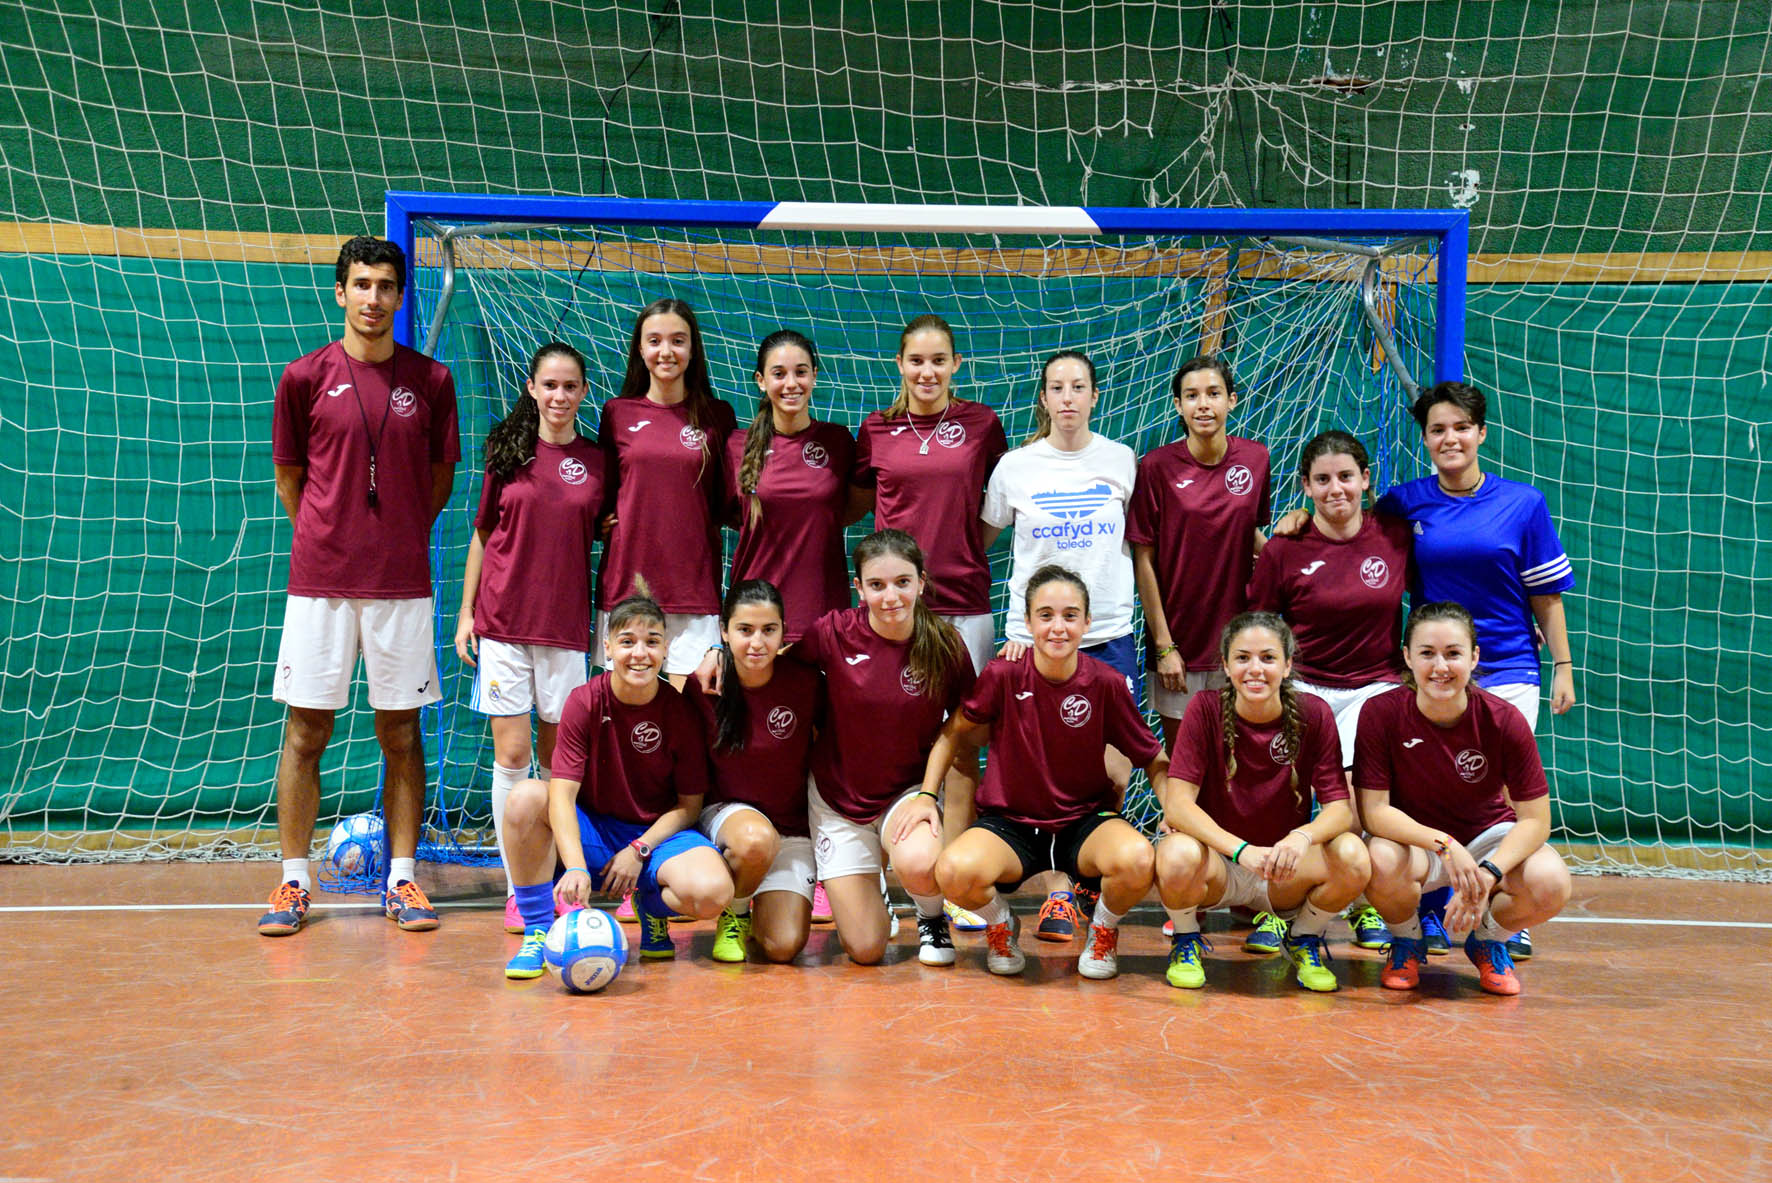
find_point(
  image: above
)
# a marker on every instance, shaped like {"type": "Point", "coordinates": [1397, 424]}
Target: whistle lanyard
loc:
{"type": "Point", "coordinates": [375, 437]}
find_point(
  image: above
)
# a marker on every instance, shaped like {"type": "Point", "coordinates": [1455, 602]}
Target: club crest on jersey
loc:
{"type": "Point", "coordinates": [1075, 710]}
{"type": "Point", "coordinates": [782, 721]}
{"type": "Point", "coordinates": [1239, 480]}
{"type": "Point", "coordinates": [1279, 749]}
{"type": "Point", "coordinates": [814, 455]}
{"type": "Point", "coordinates": [1471, 765]}
{"type": "Point", "coordinates": [645, 737]}
{"type": "Point", "coordinates": [950, 435]}
{"type": "Point", "coordinates": [403, 402]}
{"type": "Point", "coordinates": [1375, 572]}
{"type": "Point", "coordinates": [573, 471]}
{"type": "Point", "coordinates": [911, 682]}
{"type": "Point", "coordinates": [691, 437]}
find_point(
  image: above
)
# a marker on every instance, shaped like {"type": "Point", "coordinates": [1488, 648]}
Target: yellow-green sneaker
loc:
{"type": "Point", "coordinates": [1309, 954]}
{"type": "Point", "coordinates": [1187, 961]}
{"type": "Point", "coordinates": [531, 959]}
{"type": "Point", "coordinates": [730, 936]}
{"type": "Point", "coordinates": [1265, 939]}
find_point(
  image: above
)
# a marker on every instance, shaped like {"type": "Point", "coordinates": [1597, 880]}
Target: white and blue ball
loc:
{"type": "Point", "coordinates": [356, 844]}
{"type": "Point", "coordinates": [588, 948]}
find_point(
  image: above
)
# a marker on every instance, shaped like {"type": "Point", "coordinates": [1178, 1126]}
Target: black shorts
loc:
{"type": "Point", "coordinates": [1042, 849]}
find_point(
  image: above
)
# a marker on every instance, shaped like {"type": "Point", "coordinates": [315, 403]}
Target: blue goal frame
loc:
{"type": "Point", "coordinates": [1449, 229]}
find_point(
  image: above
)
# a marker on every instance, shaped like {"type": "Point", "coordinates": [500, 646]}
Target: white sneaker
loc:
{"type": "Point", "coordinates": [934, 945]}
{"type": "Point", "coordinates": [1002, 954]}
{"type": "Point", "coordinates": [1100, 960]}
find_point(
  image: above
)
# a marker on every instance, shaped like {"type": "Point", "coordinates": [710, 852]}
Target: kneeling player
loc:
{"type": "Point", "coordinates": [1047, 802]}
{"type": "Point", "coordinates": [1454, 794]}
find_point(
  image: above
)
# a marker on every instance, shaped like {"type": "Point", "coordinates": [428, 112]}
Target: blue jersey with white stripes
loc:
{"type": "Point", "coordinates": [1491, 552]}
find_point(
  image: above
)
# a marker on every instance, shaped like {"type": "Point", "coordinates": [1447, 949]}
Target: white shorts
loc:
{"type": "Point", "coordinates": [1344, 702]}
{"type": "Point", "coordinates": [322, 636]}
{"type": "Point", "coordinates": [1524, 695]}
{"type": "Point", "coordinates": [1481, 847]}
{"type": "Point", "coordinates": [980, 635]}
{"type": "Point", "coordinates": [687, 639]}
{"type": "Point", "coordinates": [1172, 704]}
{"type": "Point", "coordinates": [792, 869]}
{"type": "Point", "coordinates": [844, 847]}
{"type": "Point", "coordinates": [510, 679]}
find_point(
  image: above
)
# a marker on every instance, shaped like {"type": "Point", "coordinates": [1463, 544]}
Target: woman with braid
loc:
{"type": "Point", "coordinates": [1247, 761]}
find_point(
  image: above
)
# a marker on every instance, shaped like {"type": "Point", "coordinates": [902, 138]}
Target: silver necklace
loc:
{"type": "Point", "coordinates": [924, 450]}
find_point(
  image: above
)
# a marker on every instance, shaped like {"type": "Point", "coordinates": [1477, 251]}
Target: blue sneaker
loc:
{"type": "Point", "coordinates": [655, 930]}
{"type": "Point", "coordinates": [1519, 946]}
{"type": "Point", "coordinates": [405, 904]}
{"type": "Point", "coordinates": [1402, 970]}
{"type": "Point", "coordinates": [530, 961]}
{"type": "Point", "coordinates": [289, 908]}
{"type": "Point", "coordinates": [1267, 937]}
{"type": "Point", "coordinates": [1368, 928]}
{"type": "Point", "coordinates": [1433, 935]}
{"type": "Point", "coordinates": [1058, 918]}
{"type": "Point", "coordinates": [1187, 961]}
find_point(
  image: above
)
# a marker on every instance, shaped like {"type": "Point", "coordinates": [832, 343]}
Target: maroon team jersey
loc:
{"type": "Point", "coordinates": [798, 543]}
{"type": "Point", "coordinates": [535, 581]}
{"type": "Point", "coordinates": [879, 723]}
{"type": "Point", "coordinates": [1201, 521]}
{"type": "Point", "coordinates": [344, 547]}
{"type": "Point", "coordinates": [1047, 739]}
{"type": "Point", "coordinates": [1458, 778]}
{"type": "Point", "coordinates": [1343, 599]}
{"type": "Point", "coordinates": [630, 762]}
{"type": "Point", "coordinates": [769, 772]}
{"type": "Point", "coordinates": [935, 495]}
{"type": "Point", "coordinates": [668, 493]}
{"type": "Point", "coordinates": [1261, 806]}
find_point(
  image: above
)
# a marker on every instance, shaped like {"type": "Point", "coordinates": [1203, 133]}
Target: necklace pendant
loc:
{"type": "Point", "coordinates": [924, 450]}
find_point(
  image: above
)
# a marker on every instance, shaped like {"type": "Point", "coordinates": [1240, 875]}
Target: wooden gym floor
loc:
{"type": "Point", "coordinates": [169, 1041]}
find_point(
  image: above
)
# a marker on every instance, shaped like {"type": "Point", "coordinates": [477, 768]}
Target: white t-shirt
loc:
{"type": "Point", "coordinates": [1068, 508]}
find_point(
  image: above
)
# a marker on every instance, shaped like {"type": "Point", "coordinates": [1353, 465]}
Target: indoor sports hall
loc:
{"type": "Point", "coordinates": [1565, 206]}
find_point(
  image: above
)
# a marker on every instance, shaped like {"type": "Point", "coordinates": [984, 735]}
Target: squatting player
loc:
{"type": "Point", "coordinates": [365, 444]}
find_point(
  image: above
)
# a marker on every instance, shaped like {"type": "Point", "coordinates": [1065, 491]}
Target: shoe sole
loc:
{"type": "Point", "coordinates": [1391, 985]}
{"type": "Point", "coordinates": [415, 925]}
{"type": "Point", "coordinates": [1005, 971]}
{"type": "Point", "coordinates": [1057, 938]}
{"type": "Point", "coordinates": [658, 954]}
{"type": "Point", "coordinates": [726, 958]}
{"type": "Point", "coordinates": [1199, 985]}
{"type": "Point", "coordinates": [938, 958]}
{"type": "Point", "coordinates": [523, 975]}
{"type": "Point", "coordinates": [1500, 989]}
{"type": "Point", "coordinates": [1098, 973]}
{"type": "Point", "coordinates": [279, 930]}
{"type": "Point", "coordinates": [1327, 988]}
{"type": "Point", "coordinates": [1261, 950]}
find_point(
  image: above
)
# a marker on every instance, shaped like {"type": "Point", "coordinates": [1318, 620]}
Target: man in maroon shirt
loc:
{"type": "Point", "coordinates": [365, 443]}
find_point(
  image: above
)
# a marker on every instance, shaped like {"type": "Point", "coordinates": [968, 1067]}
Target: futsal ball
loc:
{"type": "Point", "coordinates": [355, 847]}
{"type": "Point", "coordinates": [588, 948]}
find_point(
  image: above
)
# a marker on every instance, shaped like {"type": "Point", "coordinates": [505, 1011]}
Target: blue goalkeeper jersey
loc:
{"type": "Point", "coordinates": [1491, 552]}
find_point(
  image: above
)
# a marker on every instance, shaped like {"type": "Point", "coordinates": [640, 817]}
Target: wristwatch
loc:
{"type": "Point", "coordinates": [1491, 868]}
{"type": "Point", "coordinates": [645, 851]}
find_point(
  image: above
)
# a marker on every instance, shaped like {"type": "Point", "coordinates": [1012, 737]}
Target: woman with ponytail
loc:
{"type": "Point", "coordinates": [788, 487]}
{"type": "Point", "coordinates": [759, 730]}
{"type": "Point", "coordinates": [526, 592]}
{"type": "Point", "coordinates": [1237, 807]}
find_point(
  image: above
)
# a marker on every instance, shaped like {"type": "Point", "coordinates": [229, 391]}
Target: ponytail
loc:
{"type": "Point", "coordinates": [732, 710]}
{"type": "Point", "coordinates": [935, 644]}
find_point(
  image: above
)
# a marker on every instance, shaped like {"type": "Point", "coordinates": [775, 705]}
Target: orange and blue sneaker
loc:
{"type": "Point", "coordinates": [1267, 937]}
{"type": "Point", "coordinates": [1402, 970]}
{"type": "Point", "coordinates": [1310, 954]}
{"type": "Point", "coordinates": [531, 960]}
{"type": "Point", "coordinates": [1495, 969]}
{"type": "Point", "coordinates": [289, 908]}
{"type": "Point", "coordinates": [655, 932]}
{"type": "Point", "coordinates": [1433, 934]}
{"type": "Point", "coordinates": [1058, 918]}
{"type": "Point", "coordinates": [1187, 961]}
{"type": "Point", "coordinates": [405, 904]}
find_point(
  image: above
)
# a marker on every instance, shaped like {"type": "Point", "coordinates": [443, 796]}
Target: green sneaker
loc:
{"type": "Point", "coordinates": [531, 960]}
{"type": "Point", "coordinates": [1309, 953]}
{"type": "Point", "coordinates": [1187, 965]}
{"type": "Point", "coordinates": [1265, 939]}
{"type": "Point", "coordinates": [730, 936]}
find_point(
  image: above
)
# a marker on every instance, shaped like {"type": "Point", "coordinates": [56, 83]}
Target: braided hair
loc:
{"type": "Point", "coordinates": [762, 429]}
{"type": "Point", "coordinates": [732, 711]}
{"type": "Point", "coordinates": [1291, 721]}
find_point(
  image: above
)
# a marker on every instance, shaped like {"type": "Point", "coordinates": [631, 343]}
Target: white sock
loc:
{"type": "Point", "coordinates": [1311, 920]}
{"type": "Point", "coordinates": [1184, 919]}
{"type": "Point", "coordinates": [994, 912]}
{"type": "Point", "coordinates": [1106, 917]}
{"type": "Point", "coordinates": [927, 905]}
{"type": "Point", "coordinates": [402, 870]}
{"type": "Point", "coordinates": [1488, 930]}
{"type": "Point", "coordinates": [1409, 929]}
{"type": "Point", "coordinates": [295, 870]}
{"type": "Point", "coordinates": [741, 905]}
{"type": "Point", "coordinates": [503, 781]}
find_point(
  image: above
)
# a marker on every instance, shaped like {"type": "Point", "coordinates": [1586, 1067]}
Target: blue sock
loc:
{"type": "Point", "coordinates": [535, 904]}
{"type": "Point", "coordinates": [1434, 901]}
{"type": "Point", "coordinates": [653, 902]}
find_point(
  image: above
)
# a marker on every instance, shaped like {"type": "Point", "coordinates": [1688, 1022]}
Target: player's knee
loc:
{"type": "Point", "coordinates": [958, 873]}
{"type": "Point", "coordinates": [752, 845]}
{"type": "Point", "coordinates": [399, 734]}
{"type": "Point", "coordinates": [1388, 862]}
{"type": "Point", "coordinates": [868, 952]}
{"type": "Point", "coordinates": [1549, 886]}
{"type": "Point", "coordinates": [527, 804]}
{"type": "Point", "coordinates": [1131, 861]}
{"type": "Point", "coordinates": [306, 733]}
{"type": "Point", "coordinates": [1180, 860]}
{"type": "Point", "coordinates": [1349, 864]}
{"type": "Point", "coordinates": [780, 947]}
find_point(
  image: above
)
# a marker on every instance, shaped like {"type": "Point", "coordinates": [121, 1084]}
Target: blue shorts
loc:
{"type": "Point", "coordinates": [1122, 654]}
{"type": "Point", "coordinates": [603, 837]}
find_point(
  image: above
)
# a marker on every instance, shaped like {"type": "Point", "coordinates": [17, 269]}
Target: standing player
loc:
{"type": "Point", "coordinates": [1047, 802]}
{"type": "Point", "coordinates": [1063, 497]}
{"type": "Point", "coordinates": [1454, 795]}
{"type": "Point", "coordinates": [1247, 761]}
{"type": "Point", "coordinates": [788, 480]}
{"type": "Point", "coordinates": [525, 621]}
{"type": "Point", "coordinates": [759, 729]}
{"type": "Point", "coordinates": [665, 436]}
{"type": "Point", "coordinates": [1195, 525]}
{"type": "Point", "coordinates": [922, 465]}
{"type": "Point", "coordinates": [365, 444]}
{"type": "Point", "coordinates": [1339, 583]}
{"type": "Point", "coordinates": [630, 772]}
